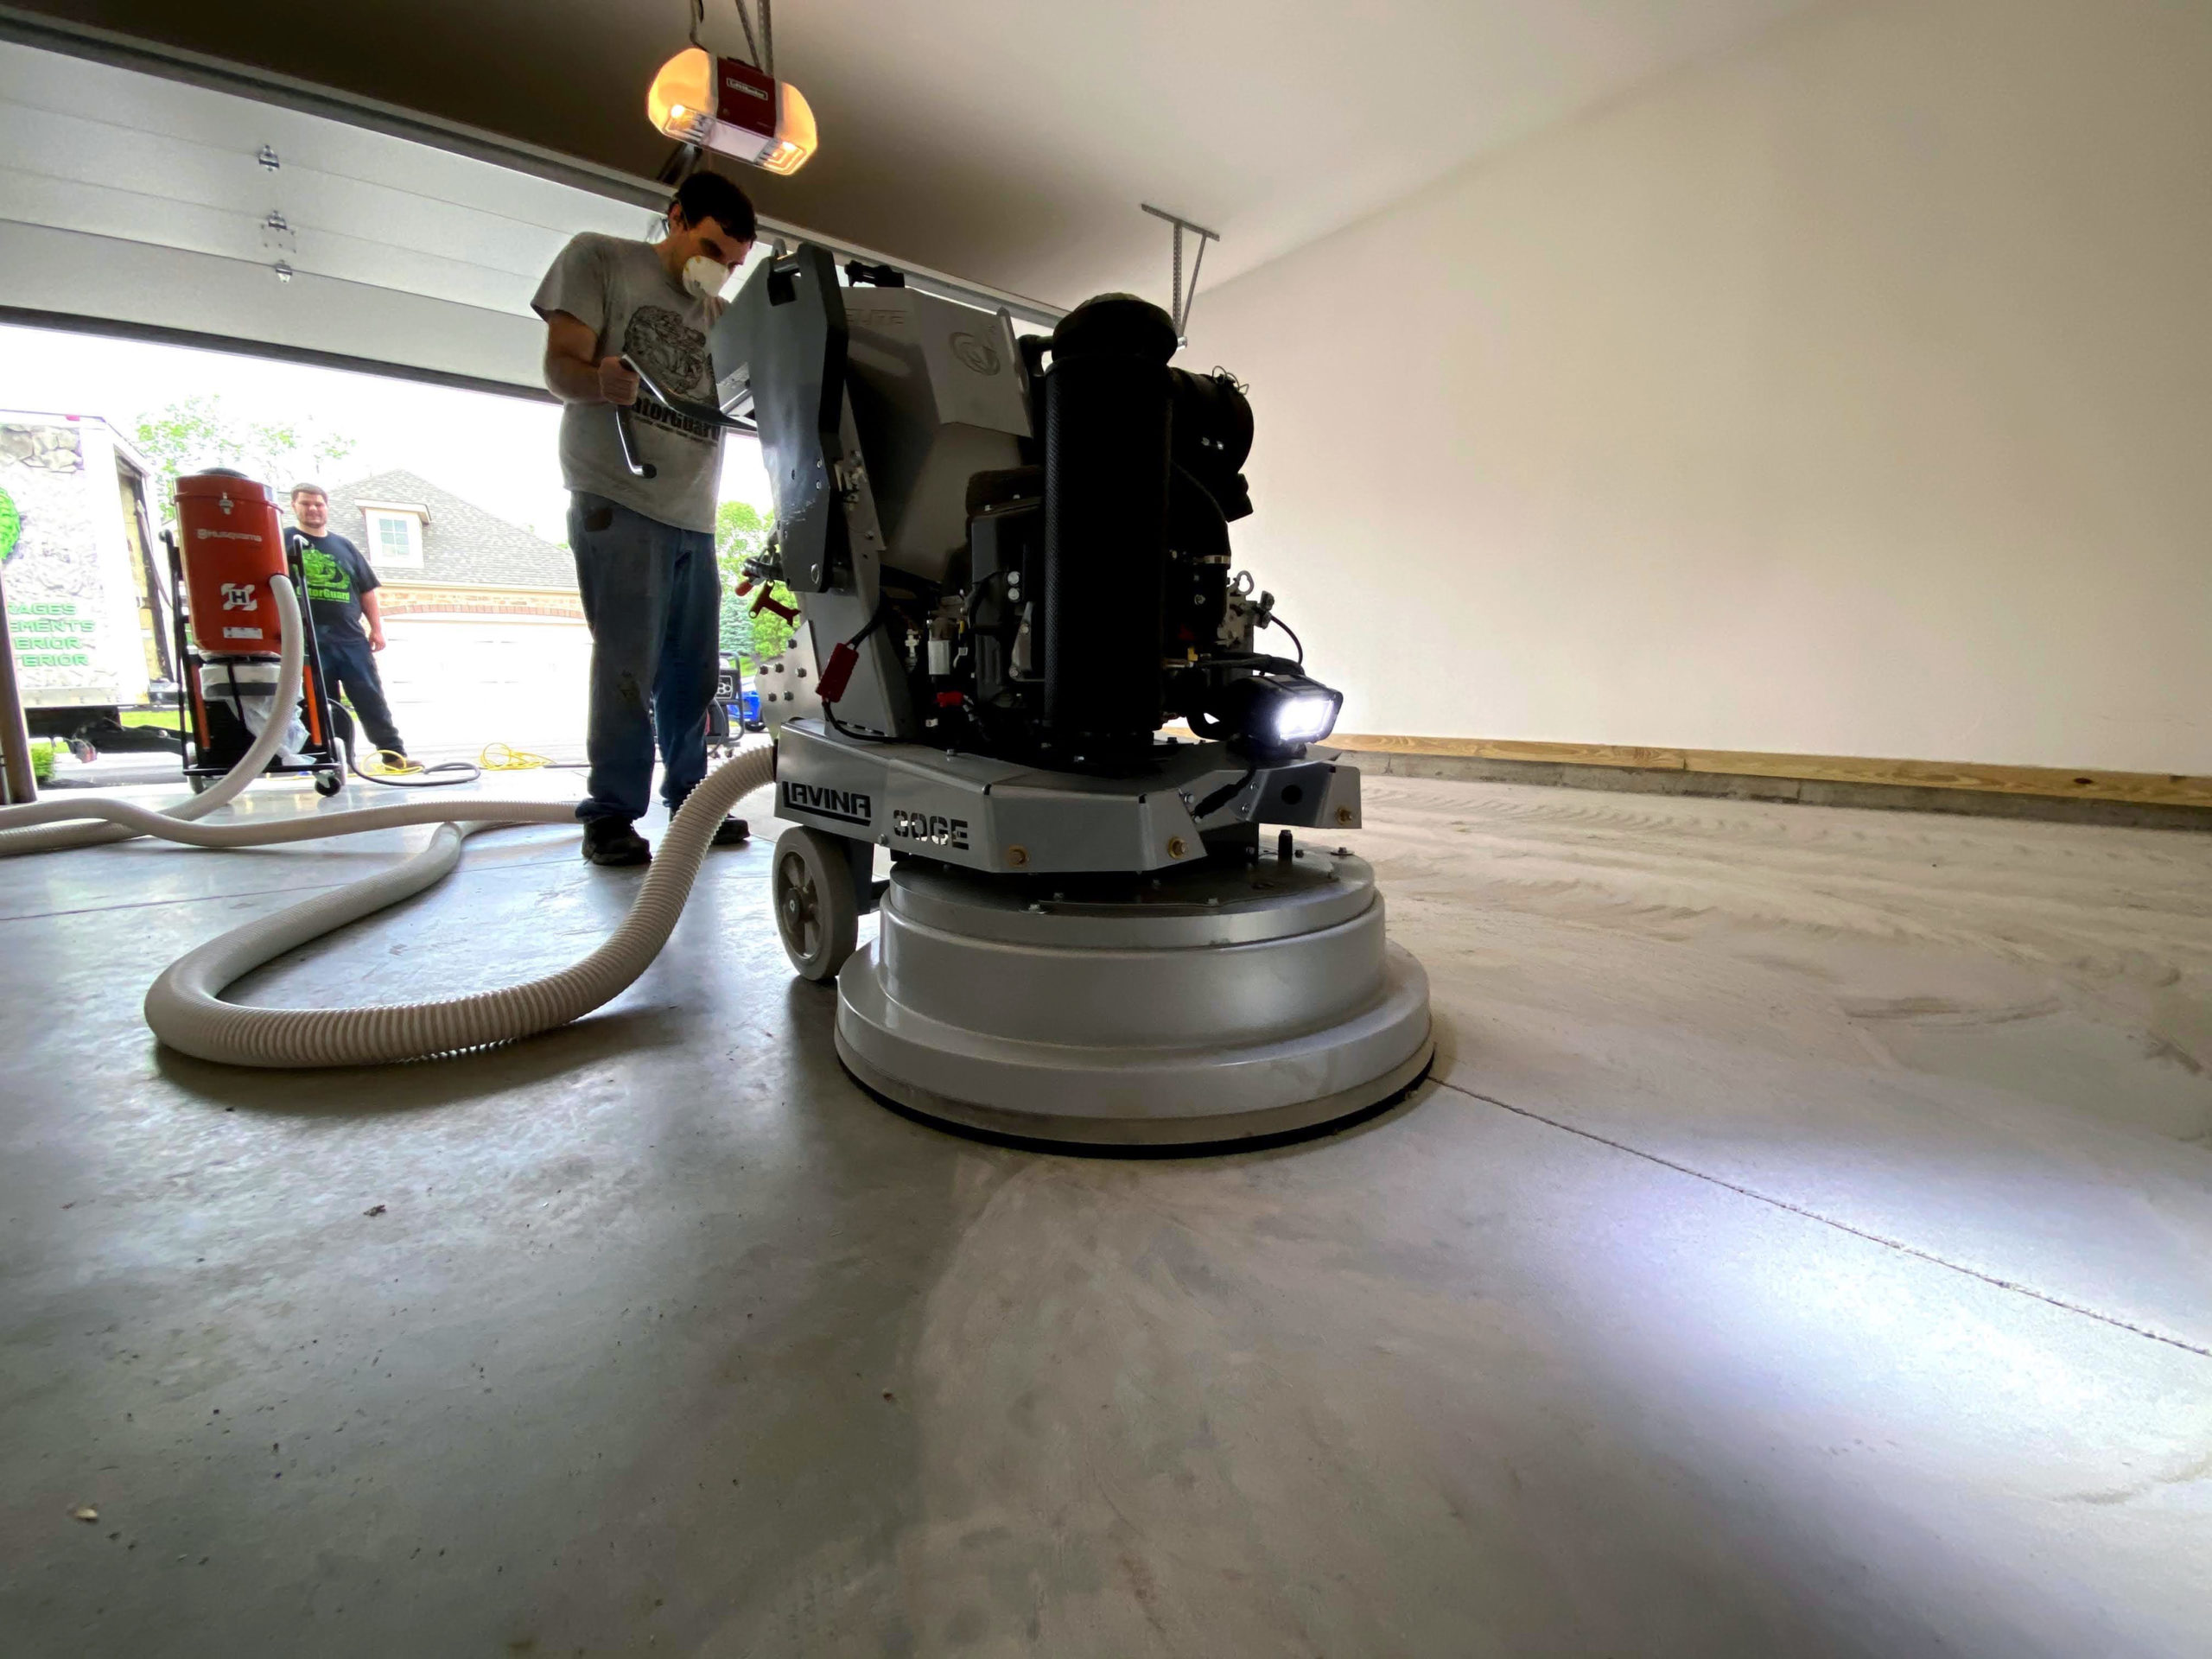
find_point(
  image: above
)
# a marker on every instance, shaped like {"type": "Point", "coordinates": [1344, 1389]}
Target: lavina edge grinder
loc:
{"type": "Point", "coordinates": [1012, 561]}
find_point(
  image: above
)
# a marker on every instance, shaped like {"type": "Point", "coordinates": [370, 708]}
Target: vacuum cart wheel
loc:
{"type": "Point", "coordinates": [329, 783]}
{"type": "Point", "coordinates": [817, 913]}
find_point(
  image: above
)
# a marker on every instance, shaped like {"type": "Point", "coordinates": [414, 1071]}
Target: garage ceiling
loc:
{"type": "Point", "coordinates": [160, 204]}
{"type": "Point", "coordinates": [1011, 141]}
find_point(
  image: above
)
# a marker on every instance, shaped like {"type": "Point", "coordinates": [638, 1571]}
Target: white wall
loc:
{"type": "Point", "coordinates": [1851, 394]}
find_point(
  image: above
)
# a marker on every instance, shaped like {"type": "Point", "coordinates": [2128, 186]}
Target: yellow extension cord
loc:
{"type": "Point", "coordinates": [498, 757]}
{"type": "Point", "coordinates": [495, 757]}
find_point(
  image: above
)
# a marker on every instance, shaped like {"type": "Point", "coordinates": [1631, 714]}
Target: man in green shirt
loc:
{"type": "Point", "coordinates": [342, 594]}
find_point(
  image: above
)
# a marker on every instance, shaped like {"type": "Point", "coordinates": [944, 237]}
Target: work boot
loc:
{"type": "Point", "coordinates": [730, 832]}
{"type": "Point", "coordinates": [615, 841]}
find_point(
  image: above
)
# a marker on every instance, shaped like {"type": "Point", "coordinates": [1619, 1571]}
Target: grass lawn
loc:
{"type": "Point", "coordinates": [169, 719]}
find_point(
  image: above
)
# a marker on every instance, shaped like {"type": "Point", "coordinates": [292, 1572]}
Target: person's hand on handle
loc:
{"type": "Point", "coordinates": [616, 383]}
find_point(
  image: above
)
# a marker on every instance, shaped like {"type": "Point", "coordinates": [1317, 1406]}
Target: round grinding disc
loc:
{"type": "Point", "coordinates": [1212, 1005]}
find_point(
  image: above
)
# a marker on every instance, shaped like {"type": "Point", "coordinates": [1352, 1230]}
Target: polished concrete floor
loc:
{"type": "Point", "coordinates": [1806, 1249]}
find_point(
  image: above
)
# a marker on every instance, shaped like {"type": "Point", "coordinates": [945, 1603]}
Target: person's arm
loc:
{"type": "Point", "coordinates": [576, 372]}
{"type": "Point", "coordinates": [363, 575]}
{"type": "Point", "coordinates": [573, 301]}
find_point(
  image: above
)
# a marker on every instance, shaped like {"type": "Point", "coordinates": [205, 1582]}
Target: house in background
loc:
{"type": "Point", "coordinates": [487, 642]}
{"type": "Point", "coordinates": [438, 554]}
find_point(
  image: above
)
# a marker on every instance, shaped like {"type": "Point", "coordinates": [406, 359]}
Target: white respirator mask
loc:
{"type": "Point", "coordinates": [703, 277]}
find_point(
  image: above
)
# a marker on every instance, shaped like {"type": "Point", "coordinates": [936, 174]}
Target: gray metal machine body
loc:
{"type": "Point", "coordinates": [884, 415]}
{"type": "Point", "coordinates": [871, 469]}
{"type": "Point", "coordinates": [1001, 817]}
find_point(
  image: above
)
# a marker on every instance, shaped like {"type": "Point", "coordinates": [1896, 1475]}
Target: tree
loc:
{"type": "Point", "coordinates": [741, 532]}
{"type": "Point", "coordinates": [196, 432]}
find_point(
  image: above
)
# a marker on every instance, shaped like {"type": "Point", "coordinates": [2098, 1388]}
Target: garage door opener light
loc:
{"type": "Point", "coordinates": [726, 105]}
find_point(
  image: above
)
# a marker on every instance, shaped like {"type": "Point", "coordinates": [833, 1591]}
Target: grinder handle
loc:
{"type": "Point", "coordinates": [637, 468]}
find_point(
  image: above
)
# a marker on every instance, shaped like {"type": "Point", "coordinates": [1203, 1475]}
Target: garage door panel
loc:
{"type": "Point", "coordinates": [84, 176]}
{"type": "Point", "coordinates": [70, 273]}
{"type": "Point", "coordinates": [140, 201]}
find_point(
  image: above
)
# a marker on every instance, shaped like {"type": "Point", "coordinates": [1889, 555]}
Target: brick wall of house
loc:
{"type": "Point", "coordinates": [404, 599]}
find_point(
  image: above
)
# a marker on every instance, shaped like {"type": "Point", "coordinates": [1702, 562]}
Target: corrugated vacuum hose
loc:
{"type": "Point", "coordinates": [125, 818]}
{"type": "Point", "coordinates": [185, 1008]}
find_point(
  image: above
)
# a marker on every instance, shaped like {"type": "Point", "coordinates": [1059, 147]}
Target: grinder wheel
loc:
{"type": "Point", "coordinates": [1214, 1004]}
{"type": "Point", "coordinates": [817, 913]}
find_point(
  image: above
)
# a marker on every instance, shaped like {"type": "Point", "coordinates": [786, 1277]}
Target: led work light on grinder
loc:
{"type": "Point", "coordinates": [1012, 564]}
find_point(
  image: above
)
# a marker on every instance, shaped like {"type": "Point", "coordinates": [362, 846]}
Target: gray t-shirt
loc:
{"type": "Point", "coordinates": [620, 290]}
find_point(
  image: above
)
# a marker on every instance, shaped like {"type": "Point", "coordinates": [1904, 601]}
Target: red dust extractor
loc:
{"type": "Point", "coordinates": [230, 541]}
{"type": "Point", "coordinates": [233, 542]}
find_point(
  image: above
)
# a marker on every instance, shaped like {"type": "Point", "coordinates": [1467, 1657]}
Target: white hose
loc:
{"type": "Point", "coordinates": [185, 1009]}
{"type": "Point", "coordinates": [15, 837]}
{"type": "Point", "coordinates": [184, 1006]}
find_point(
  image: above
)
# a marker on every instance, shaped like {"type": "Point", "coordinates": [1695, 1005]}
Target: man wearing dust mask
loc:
{"type": "Point", "coordinates": [644, 544]}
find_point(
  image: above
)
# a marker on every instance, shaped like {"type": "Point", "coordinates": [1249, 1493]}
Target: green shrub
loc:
{"type": "Point", "coordinates": [42, 761]}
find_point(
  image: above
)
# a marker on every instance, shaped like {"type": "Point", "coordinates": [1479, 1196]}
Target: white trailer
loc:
{"type": "Point", "coordinates": [87, 585]}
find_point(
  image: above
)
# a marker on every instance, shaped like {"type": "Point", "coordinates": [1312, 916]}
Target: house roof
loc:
{"type": "Point", "coordinates": [462, 542]}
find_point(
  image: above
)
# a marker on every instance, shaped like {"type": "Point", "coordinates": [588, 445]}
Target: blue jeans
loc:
{"type": "Point", "coordinates": [652, 597]}
{"type": "Point", "coordinates": [349, 670]}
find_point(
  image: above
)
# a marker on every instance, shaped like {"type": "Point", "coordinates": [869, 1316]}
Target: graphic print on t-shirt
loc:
{"type": "Point", "coordinates": [326, 578]}
{"type": "Point", "coordinates": [675, 354]}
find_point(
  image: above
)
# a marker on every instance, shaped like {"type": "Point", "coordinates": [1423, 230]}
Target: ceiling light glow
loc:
{"type": "Point", "coordinates": [727, 105]}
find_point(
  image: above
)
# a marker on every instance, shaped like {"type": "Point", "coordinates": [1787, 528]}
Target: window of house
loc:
{"type": "Point", "coordinates": [395, 538]}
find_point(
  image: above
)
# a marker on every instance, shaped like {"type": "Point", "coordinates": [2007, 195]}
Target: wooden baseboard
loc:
{"type": "Point", "coordinates": [2135, 788]}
